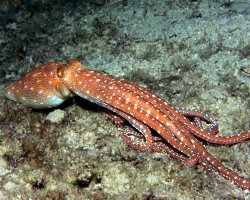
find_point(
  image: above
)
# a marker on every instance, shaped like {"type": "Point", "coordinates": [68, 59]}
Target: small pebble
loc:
{"type": "Point", "coordinates": [56, 116]}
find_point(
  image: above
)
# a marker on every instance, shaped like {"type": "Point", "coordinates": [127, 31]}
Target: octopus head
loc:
{"type": "Point", "coordinates": [40, 88]}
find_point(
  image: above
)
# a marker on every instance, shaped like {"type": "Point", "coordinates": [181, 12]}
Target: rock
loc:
{"type": "Point", "coordinates": [56, 116]}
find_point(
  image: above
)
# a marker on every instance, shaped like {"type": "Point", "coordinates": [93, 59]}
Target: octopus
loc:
{"type": "Point", "coordinates": [155, 124]}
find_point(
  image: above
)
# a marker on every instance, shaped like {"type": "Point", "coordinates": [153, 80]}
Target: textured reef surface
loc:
{"type": "Point", "coordinates": [194, 54]}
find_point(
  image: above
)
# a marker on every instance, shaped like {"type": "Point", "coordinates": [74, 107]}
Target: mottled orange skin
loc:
{"type": "Point", "coordinates": [141, 108]}
{"type": "Point", "coordinates": [40, 88]}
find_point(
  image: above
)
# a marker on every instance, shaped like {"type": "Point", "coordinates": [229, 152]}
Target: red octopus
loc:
{"type": "Point", "coordinates": [51, 84]}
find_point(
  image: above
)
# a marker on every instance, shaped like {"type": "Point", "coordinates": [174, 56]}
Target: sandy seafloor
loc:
{"type": "Point", "coordinates": [194, 54]}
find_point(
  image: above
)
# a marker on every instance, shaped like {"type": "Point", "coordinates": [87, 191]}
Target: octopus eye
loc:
{"type": "Point", "coordinates": [60, 71]}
